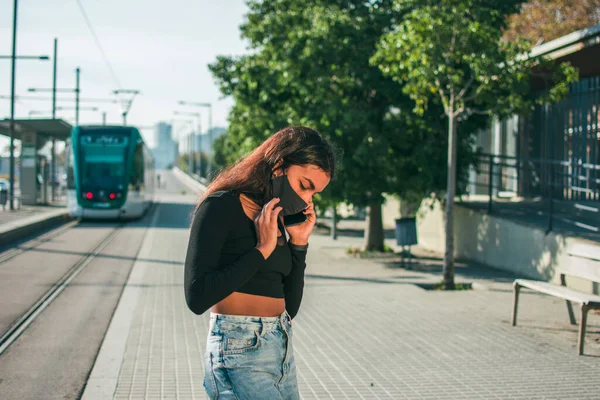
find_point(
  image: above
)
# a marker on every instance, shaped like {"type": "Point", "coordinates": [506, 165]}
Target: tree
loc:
{"type": "Point", "coordinates": [311, 66]}
{"type": "Point", "coordinates": [452, 48]}
{"type": "Point", "coordinates": [545, 20]}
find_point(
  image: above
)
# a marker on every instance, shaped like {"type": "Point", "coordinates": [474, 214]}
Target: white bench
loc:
{"type": "Point", "coordinates": [585, 264]}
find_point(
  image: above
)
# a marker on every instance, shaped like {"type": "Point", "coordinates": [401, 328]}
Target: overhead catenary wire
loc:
{"type": "Point", "coordinates": [98, 44]}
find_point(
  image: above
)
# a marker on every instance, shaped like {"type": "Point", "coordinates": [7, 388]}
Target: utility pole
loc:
{"type": "Point", "coordinates": [77, 90]}
{"type": "Point", "coordinates": [12, 109]}
{"type": "Point", "coordinates": [54, 80]}
{"type": "Point", "coordinates": [53, 167]}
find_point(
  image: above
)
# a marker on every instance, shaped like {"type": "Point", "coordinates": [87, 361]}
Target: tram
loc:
{"type": "Point", "coordinates": [110, 173]}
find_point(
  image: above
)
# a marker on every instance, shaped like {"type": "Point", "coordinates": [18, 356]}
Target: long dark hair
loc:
{"type": "Point", "coordinates": [294, 145]}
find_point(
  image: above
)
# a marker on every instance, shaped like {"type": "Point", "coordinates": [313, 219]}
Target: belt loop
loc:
{"type": "Point", "coordinates": [262, 327]}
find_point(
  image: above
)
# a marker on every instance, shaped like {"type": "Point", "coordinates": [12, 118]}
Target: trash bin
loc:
{"type": "Point", "coordinates": [406, 235]}
{"type": "Point", "coordinates": [3, 196]}
{"type": "Point", "coordinates": [406, 231]}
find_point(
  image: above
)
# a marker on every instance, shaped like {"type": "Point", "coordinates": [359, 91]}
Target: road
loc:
{"type": "Point", "coordinates": [53, 356]}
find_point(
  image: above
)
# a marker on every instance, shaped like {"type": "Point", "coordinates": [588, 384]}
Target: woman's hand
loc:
{"type": "Point", "coordinates": [266, 228]}
{"type": "Point", "coordinates": [300, 233]}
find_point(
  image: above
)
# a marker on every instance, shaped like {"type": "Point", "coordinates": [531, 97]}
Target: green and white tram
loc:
{"type": "Point", "coordinates": [110, 173]}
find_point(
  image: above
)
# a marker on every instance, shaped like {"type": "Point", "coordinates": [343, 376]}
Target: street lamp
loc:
{"type": "Point", "coordinates": [61, 99]}
{"type": "Point", "coordinates": [194, 140]}
{"type": "Point", "coordinates": [190, 143]}
{"type": "Point", "coordinates": [13, 59]}
{"type": "Point", "coordinates": [43, 58]}
{"type": "Point", "coordinates": [209, 106]}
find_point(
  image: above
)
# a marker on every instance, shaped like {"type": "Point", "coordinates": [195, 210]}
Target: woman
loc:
{"type": "Point", "coordinates": [241, 264]}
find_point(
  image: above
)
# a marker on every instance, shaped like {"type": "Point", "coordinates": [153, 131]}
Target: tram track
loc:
{"type": "Point", "coordinates": [21, 324]}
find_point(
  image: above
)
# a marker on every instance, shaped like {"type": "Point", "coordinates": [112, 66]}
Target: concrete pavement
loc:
{"type": "Point", "coordinates": [365, 330]}
{"type": "Point", "coordinates": [26, 220]}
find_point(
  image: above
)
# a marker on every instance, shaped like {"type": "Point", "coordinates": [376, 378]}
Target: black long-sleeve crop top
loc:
{"type": "Point", "coordinates": [222, 258]}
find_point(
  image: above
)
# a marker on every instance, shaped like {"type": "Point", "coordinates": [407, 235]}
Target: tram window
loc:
{"type": "Point", "coordinates": [137, 173]}
{"type": "Point", "coordinates": [70, 163]}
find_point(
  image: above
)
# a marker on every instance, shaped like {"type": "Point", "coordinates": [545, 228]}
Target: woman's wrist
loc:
{"type": "Point", "coordinates": [299, 242]}
{"type": "Point", "coordinates": [299, 246]}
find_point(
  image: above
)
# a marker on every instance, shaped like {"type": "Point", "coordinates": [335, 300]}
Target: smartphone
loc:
{"type": "Point", "coordinates": [294, 219]}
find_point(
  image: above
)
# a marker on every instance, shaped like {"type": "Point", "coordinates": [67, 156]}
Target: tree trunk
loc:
{"type": "Point", "coordinates": [374, 228]}
{"type": "Point", "coordinates": [450, 193]}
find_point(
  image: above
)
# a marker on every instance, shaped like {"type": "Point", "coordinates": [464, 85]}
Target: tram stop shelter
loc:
{"type": "Point", "coordinates": [38, 174]}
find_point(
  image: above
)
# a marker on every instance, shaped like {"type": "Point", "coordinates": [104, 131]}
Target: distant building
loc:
{"type": "Point", "coordinates": [163, 133]}
{"type": "Point", "coordinates": [166, 149]}
{"type": "Point", "coordinates": [205, 141]}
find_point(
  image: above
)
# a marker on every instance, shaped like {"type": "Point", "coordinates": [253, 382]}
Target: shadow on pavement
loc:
{"type": "Point", "coordinates": [105, 256]}
{"type": "Point", "coordinates": [356, 279]}
{"type": "Point", "coordinates": [432, 265]}
{"type": "Point", "coordinates": [171, 216]}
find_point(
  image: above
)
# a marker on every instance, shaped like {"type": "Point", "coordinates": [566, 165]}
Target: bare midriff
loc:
{"type": "Point", "coordinates": [249, 304]}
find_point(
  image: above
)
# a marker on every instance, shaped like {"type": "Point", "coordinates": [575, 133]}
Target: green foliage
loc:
{"type": "Point", "coordinates": [310, 66]}
{"type": "Point", "coordinates": [452, 49]}
{"type": "Point", "coordinates": [360, 253]}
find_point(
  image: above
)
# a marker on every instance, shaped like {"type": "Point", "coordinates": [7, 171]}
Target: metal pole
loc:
{"type": "Point", "coordinates": [199, 147]}
{"type": "Point", "coordinates": [12, 109]}
{"type": "Point", "coordinates": [53, 165]}
{"type": "Point", "coordinates": [193, 149]}
{"type": "Point", "coordinates": [551, 202]}
{"type": "Point", "coordinates": [77, 73]}
{"type": "Point", "coordinates": [54, 175]}
{"type": "Point", "coordinates": [210, 144]}
{"type": "Point", "coordinates": [190, 154]}
{"type": "Point", "coordinates": [334, 222]}
{"type": "Point", "coordinates": [54, 85]}
{"type": "Point", "coordinates": [104, 118]}
{"type": "Point", "coordinates": [490, 183]}
{"type": "Point", "coordinates": [124, 118]}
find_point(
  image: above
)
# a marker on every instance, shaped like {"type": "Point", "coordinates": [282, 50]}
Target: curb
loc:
{"type": "Point", "coordinates": [102, 382]}
{"type": "Point", "coordinates": [188, 180]}
{"type": "Point", "coordinates": [15, 230]}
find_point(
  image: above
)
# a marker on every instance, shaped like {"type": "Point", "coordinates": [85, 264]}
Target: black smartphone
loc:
{"type": "Point", "coordinates": [294, 219]}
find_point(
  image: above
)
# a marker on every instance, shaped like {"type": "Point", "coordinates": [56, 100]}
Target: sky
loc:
{"type": "Point", "coordinates": [160, 48]}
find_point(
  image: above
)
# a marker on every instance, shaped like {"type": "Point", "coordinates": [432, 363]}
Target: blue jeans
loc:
{"type": "Point", "coordinates": [250, 358]}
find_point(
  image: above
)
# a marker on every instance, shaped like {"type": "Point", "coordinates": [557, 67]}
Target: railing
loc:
{"type": "Point", "coordinates": [559, 191]}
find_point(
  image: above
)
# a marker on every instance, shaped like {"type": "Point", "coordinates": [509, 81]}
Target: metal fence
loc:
{"type": "Point", "coordinates": [561, 194]}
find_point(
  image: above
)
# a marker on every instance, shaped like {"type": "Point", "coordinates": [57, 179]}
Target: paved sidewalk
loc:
{"type": "Point", "coordinates": [29, 219]}
{"type": "Point", "coordinates": [364, 331]}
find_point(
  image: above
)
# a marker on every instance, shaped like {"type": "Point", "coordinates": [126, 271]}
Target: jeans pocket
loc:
{"type": "Point", "coordinates": [240, 341]}
{"type": "Point", "coordinates": [210, 384]}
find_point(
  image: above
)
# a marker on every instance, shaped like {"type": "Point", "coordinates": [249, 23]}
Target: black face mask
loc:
{"type": "Point", "coordinates": [288, 198]}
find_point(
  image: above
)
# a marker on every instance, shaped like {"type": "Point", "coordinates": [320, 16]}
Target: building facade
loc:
{"type": "Point", "coordinates": [166, 150]}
